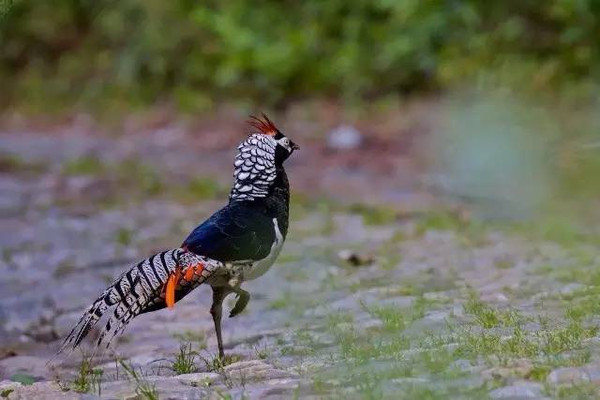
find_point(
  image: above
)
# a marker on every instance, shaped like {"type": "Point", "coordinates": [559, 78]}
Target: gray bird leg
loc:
{"type": "Point", "coordinates": [216, 309]}
{"type": "Point", "coordinates": [241, 303]}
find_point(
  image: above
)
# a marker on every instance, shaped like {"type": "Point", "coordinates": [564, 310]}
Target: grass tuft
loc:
{"type": "Point", "coordinates": [185, 360]}
{"type": "Point", "coordinates": [88, 379]}
{"type": "Point", "coordinates": [144, 389]}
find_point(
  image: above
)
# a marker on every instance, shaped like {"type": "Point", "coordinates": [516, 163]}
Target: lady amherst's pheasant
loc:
{"type": "Point", "coordinates": [239, 242]}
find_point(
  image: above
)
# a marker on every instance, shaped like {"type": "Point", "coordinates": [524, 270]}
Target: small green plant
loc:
{"type": "Point", "coordinates": [582, 390]}
{"type": "Point", "coordinates": [374, 215]}
{"type": "Point", "coordinates": [84, 166]}
{"type": "Point", "coordinates": [185, 360]}
{"type": "Point", "coordinates": [489, 317]}
{"type": "Point", "coordinates": [144, 389]}
{"type": "Point", "coordinates": [63, 269]}
{"type": "Point", "coordinates": [280, 303]}
{"type": "Point", "coordinates": [262, 352]}
{"type": "Point", "coordinates": [564, 338]}
{"type": "Point", "coordinates": [13, 163]}
{"type": "Point", "coordinates": [216, 364]}
{"type": "Point", "coordinates": [203, 188]}
{"type": "Point", "coordinates": [88, 379]}
{"type": "Point", "coordinates": [23, 379]}
{"type": "Point", "coordinates": [124, 236]}
{"type": "Point", "coordinates": [539, 372]}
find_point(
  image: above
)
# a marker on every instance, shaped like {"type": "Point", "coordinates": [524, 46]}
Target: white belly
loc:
{"type": "Point", "coordinates": [258, 268]}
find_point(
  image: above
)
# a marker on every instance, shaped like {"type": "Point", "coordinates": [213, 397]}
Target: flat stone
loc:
{"type": "Point", "coordinates": [254, 370]}
{"type": "Point", "coordinates": [9, 386]}
{"type": "Point", "coordinates": [42, 391]}
{"type": "Point", "coordinates": [572, 287]}
{"type": "Point", "coordinates": [525, 390]}
{"type": "Point", "coordinates": [28, 365]}
{"type": "Point", "coordinates": [519, 368]}
{"type": "Point", "coordinates": [568, 375]}
{"type": "Point", "coordinates": [464, 365]}
{"type": "Point", "coordinates": [199, 379]}
{"type": "Point", "coordinates": [166, 388]}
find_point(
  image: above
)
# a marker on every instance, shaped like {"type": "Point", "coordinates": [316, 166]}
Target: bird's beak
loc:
{"type": "Point", "coordinates": [295, 146]}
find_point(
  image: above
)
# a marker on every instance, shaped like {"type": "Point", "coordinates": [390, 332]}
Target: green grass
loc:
{"type": "Point", "coordinates": [396, 319]}
{"type": "Point", "coordinates": [85, 165]}
{"type": "Point", "coordinates": [144, 389]}
{"type": "Point", "coordinates": [216, 363]}
{"type": "Point", "coordinates": [134, 179]}
{"type": "Point", "coordinates": [12, 163]}
{"type": "Point", "coordinates": [562, 227]}
{"type": "Point", "coordinates": [262, 352]}
{"type": "Point", "coordinates": [487, 316]}
{"type": "Point", "coordinates": [374, 215]}
{"type": "Point", "coordinates": [87, 380]}
{"type": "Point", "coordinates": [550, 346]}
{"type": "Point", "coordinates": [281, 303]}
{"type": "Point", "coordinates": [124, 179]}
{"type": "Point", "coordinates": [578, 391]}
{"type": "Point", "coordinates": [492, 337]}
{"type": "Point", "coordinates": [124, 236]}
{"type": "Point", "coordinates": [185, 360]}
{"type": "Point", "coordinates": [65, 268]}
{"type": "Point", "coordinates": [204, 188]}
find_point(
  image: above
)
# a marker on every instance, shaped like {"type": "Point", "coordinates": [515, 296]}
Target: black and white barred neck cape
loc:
{"type": "Point", "coordinates": [254, 167]}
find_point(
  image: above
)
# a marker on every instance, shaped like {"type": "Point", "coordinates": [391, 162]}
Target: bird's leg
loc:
{"type": "Point", "coordinates": [216, 309]}
{"type": "Point", "coordinates": [241, 303]}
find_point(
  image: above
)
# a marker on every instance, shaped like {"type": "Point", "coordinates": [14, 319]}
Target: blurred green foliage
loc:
{"type": "Point", "coordinates": [192, 53]}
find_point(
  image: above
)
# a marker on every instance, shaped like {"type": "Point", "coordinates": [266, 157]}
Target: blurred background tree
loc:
{"type": "Point", "coordinates": [95, 53]}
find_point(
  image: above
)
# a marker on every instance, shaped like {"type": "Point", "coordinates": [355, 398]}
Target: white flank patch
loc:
{"type": "Point", "coordinates": [262, 266]}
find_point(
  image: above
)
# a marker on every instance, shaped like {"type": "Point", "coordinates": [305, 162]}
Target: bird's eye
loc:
{"type": "Point", "coordinates": [286, 141]}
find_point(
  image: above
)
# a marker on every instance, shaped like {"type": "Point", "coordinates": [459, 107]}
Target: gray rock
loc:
{"type": "Point", "coordinates": [28, 365]}
{"type": "Point", "coordinates": [8, 387]}
{"type": "Point", "coordinates": [568, 375]}
{"type": "Point", "coordinates": [524, 390]}
{"type": "Point", "coordinates": [253, 370]}
{"type": "Point", "coordinates": [42, 391]}
{"type": "Point", "coordinates": [344, 137]}
{"type": "Point", "coordinates": [166, 388]}
{"type": "Point", "coordinates": [200, 379]}
{"type": "Point", "coordinates": [463, 365]}
{"type": "Point", "coordinates": [572, 287]}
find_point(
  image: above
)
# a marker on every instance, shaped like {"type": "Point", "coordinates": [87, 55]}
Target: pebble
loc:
{"type": "Point", "coordinates": [354, 258]}
{"type": "Point", "coordinates": [344, 137]}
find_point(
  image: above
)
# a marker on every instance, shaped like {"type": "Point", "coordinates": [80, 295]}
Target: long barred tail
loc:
{"type": "Point", "coordinates": [149, 285]}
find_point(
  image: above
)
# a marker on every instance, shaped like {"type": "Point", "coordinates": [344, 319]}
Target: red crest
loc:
{"type": "Point", "coordinates": [264, 125]}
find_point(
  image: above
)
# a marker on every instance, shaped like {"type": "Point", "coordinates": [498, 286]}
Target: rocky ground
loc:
{"type": "Point", "coordinates": [400, 298]}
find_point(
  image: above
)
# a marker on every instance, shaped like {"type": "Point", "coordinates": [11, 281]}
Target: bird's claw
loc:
{"type": "Point", "coordinates": [243, 298]}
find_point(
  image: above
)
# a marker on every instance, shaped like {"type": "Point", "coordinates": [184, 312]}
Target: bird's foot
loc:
{"type": "Point", "coordinates": [243, 297]}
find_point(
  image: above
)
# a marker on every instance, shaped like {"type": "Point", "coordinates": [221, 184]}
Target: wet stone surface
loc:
{"type": "Point", "coordinates": [440, 310]}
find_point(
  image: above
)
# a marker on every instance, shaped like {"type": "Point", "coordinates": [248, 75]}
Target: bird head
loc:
{"type": "Point", "coordinates": [259, 159]}
{"type": "Point", "coordinates": [264, 129]}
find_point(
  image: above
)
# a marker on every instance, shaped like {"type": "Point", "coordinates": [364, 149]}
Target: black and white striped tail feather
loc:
{"type": "Point", "coordinates": [129, 294]}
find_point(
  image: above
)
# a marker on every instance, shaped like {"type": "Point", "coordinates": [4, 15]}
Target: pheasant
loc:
{"type": "Point", "coordinates": [239, 242]}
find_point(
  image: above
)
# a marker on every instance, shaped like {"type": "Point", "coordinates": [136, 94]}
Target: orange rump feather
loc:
{"type": "Point", "coordinates": [189, 274]}
{"type": "Point", "coordinates": [170, 287]}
